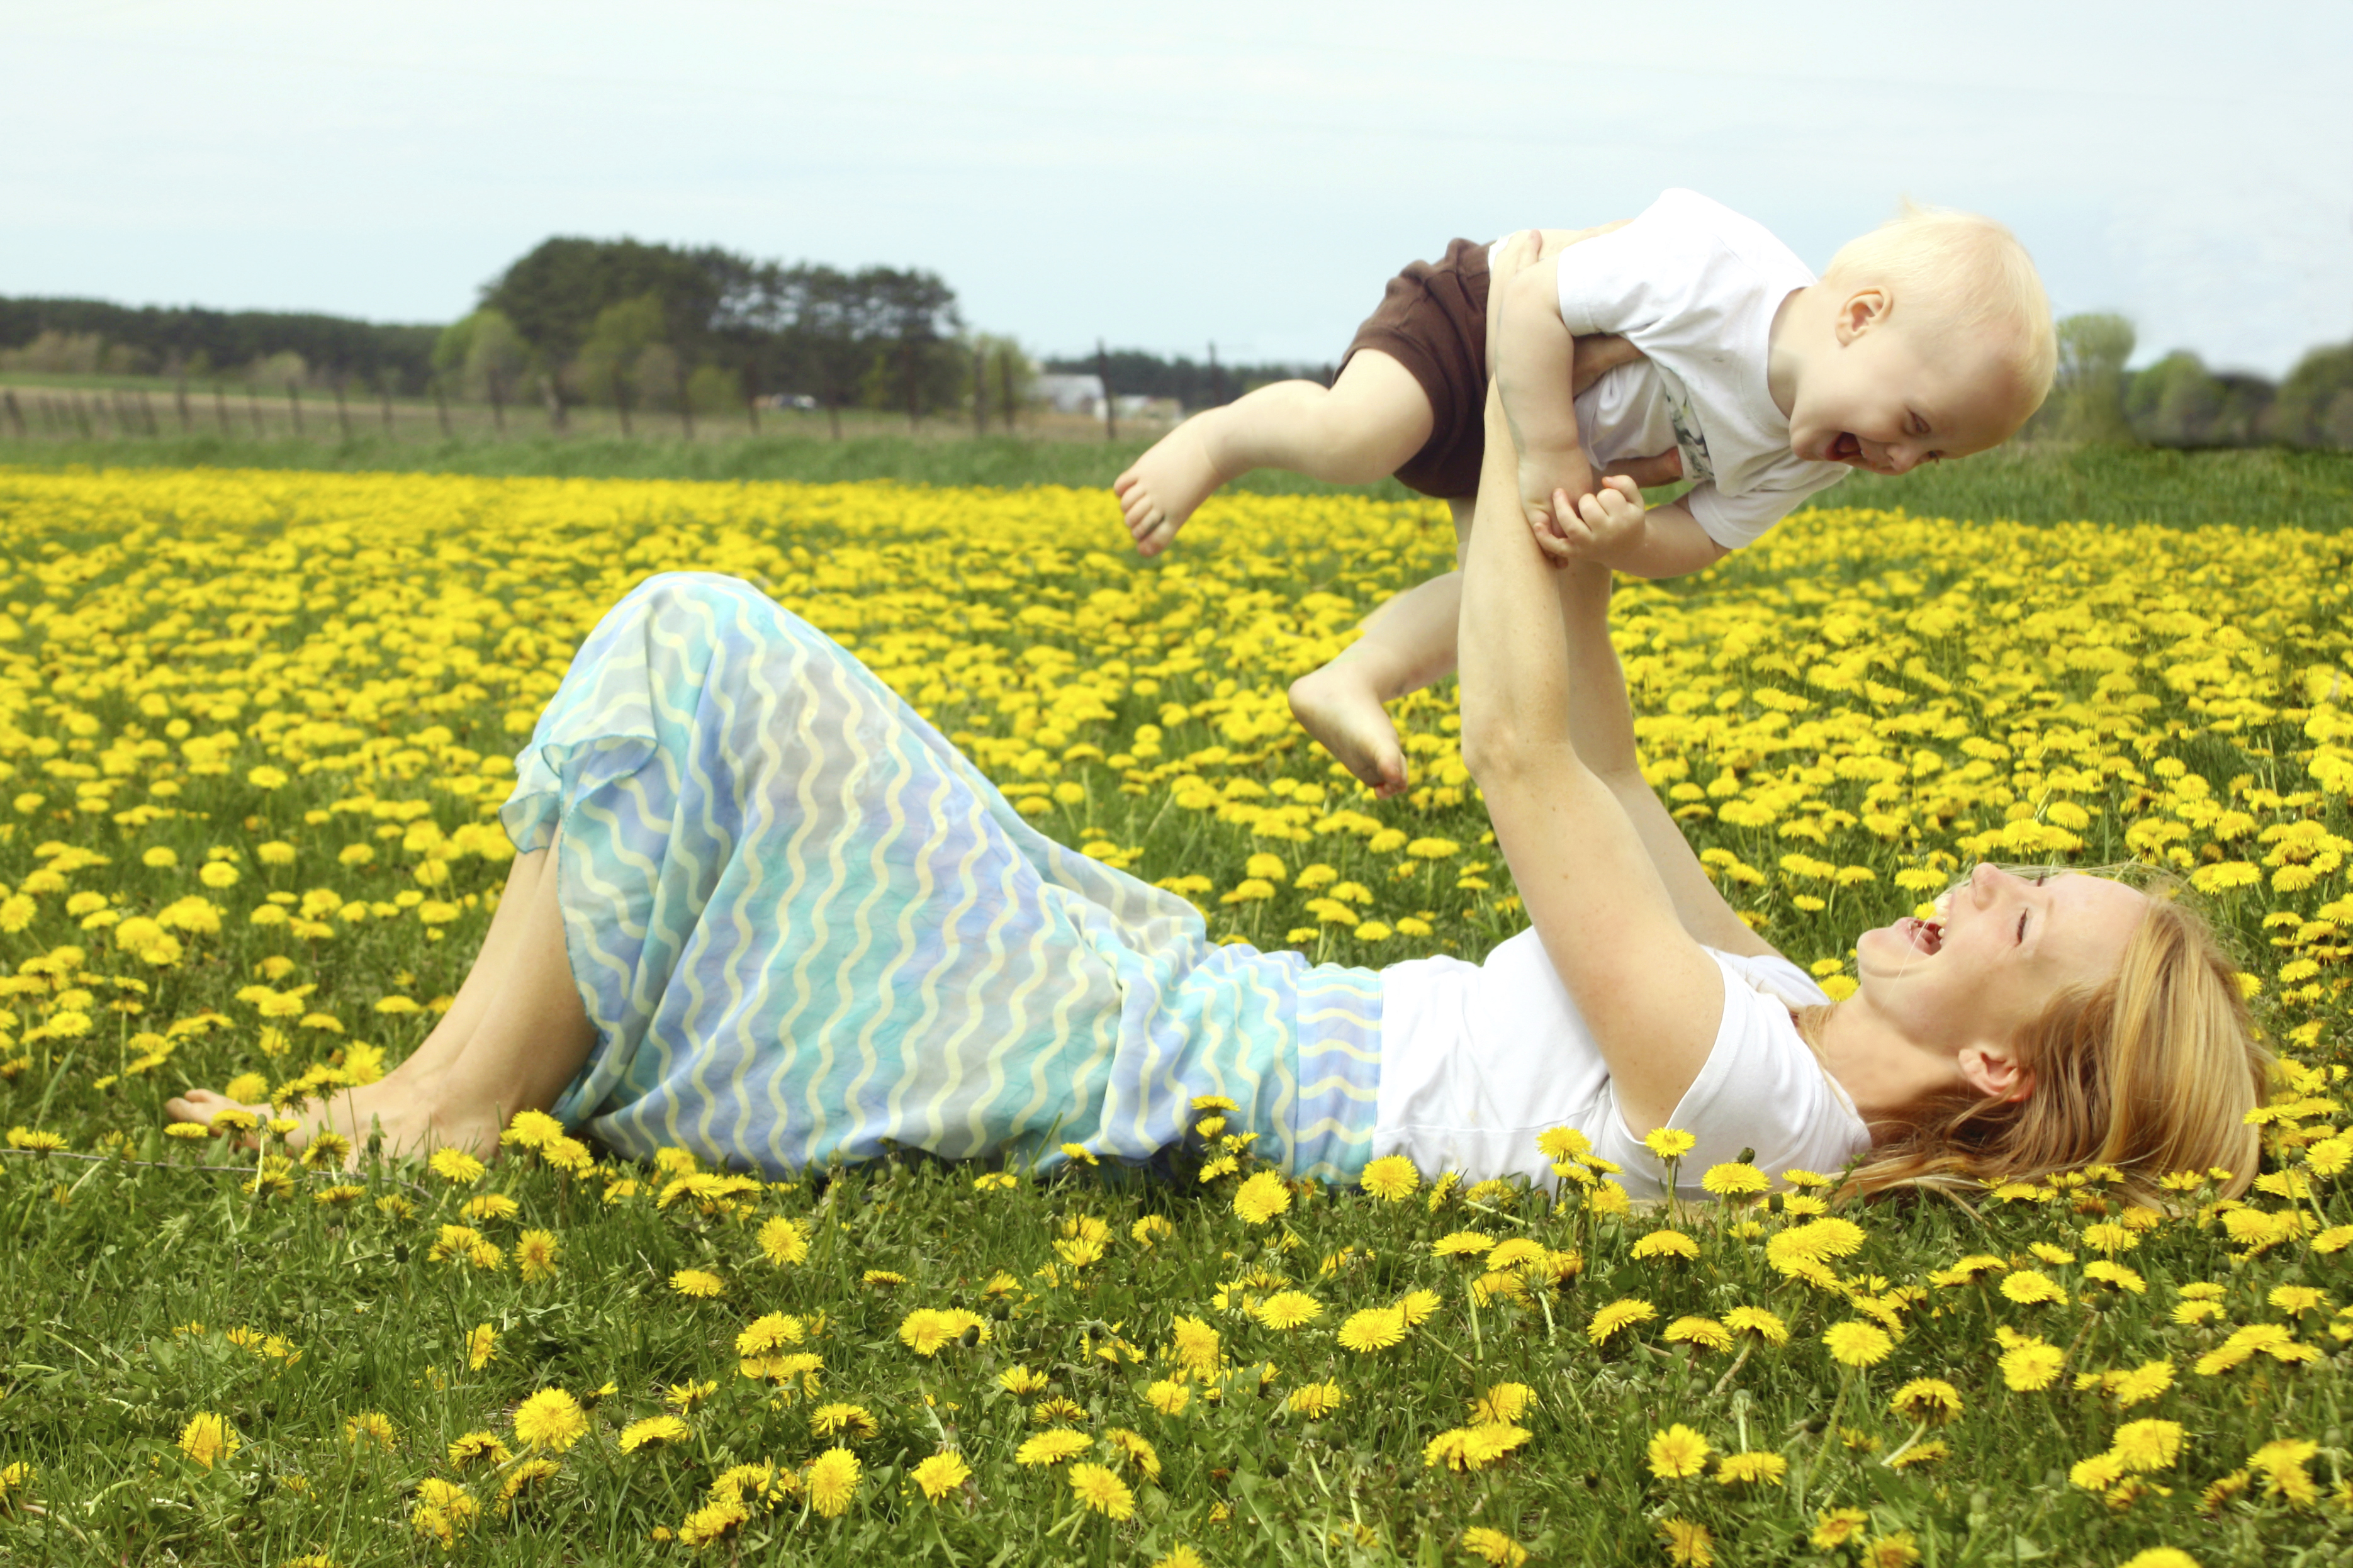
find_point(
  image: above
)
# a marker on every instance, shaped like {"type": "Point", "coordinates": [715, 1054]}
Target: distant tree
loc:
{"type": "Point", "coordinates": [170, 338]}
{"type": "Point", "coordinates": [2087, 403]}
{"type": "Point", "coordinates": [714, 389]}
{"type": "Point", "coordinates": [555, 294]}
{"type": "Point", "coordinates": [2175, 402]}
{"type": "Point", "coordinates": [918, 366]}
{"type": "Point", "coordinates": [1006, 375]}
{"type": "Point", "coordinates": [831, 337]}
{"type": "Point", "coordinates": [2316, 401]}
{"type": "Point", "coordinates": [609, 364]}
{"type": "Point", "coordinates": [479, 350]}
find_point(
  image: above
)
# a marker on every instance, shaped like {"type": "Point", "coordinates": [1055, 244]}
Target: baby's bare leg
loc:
{"type": "Point", "coordinates": [1364, 427]}
{"type": "Point", "coordinates": [1408, 643]}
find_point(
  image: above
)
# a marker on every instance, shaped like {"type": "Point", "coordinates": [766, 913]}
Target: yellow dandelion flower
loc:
{"type": "Point", "coordinates": [1666, 1244]}
{"type": "Point", "coordinates": [1669, 1143]}
{"type": "Point", "coordinates": [550, 1420]}
{"type": "Point", "coordinates": [1621, 1314]}
{"type": "Point", "coordinates": [1100, 1490]}
{"type": "Point", "coordinates": [1677, 1453]}
{"type": "Point", "coordinates": [208, 1438]}
{"type": "Point", "coordinates": [784, 1241]}
{"type": "Point", "coordinates": [1688, 1543]}
{"type": "Point", "coordinates": [832, 1481]}
{"type": "Point", "coordinates": [1493, 1546]}
{"type": "Point", "coordinates": [941, 1474]}
{"type": "Point", "coordinates": [1053, 1447]}
{"type": "Point", "coordinates": [1315, 1399]}
{"type": "Point", "coordinates": [1705, 1332]}
{"type": "Point", "coordinates": [652, 1432]}
{"type": "Point", "coordinates": [1733, 1180]}
{"type": "Point", "coordinates": [1752, 1469]}
{"type": "Point", "coordinates": [1930, 1399]}
{"type": "Point", "coordinates": [1167, 1396]}
{"type": "Point", "coordinates": [1261, 1197]}
{"type": "Point", "coordinates": [1857, 1343]}
{"type": "Point", "coordinates": [1287, 1310]}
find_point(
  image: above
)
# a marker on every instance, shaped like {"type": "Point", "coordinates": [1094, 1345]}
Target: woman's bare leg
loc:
{"type": "Point", "coordinates": [1363, 427]}
{"type": "Point", "coordinates": [514, 1038]}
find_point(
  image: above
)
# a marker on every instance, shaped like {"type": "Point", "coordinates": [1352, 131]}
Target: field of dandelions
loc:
{"type": "Point", "coordinates": [254, 731]}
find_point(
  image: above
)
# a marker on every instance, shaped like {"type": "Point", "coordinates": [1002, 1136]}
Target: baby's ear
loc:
{"type": "Point", "coordinates": [1861, 311]}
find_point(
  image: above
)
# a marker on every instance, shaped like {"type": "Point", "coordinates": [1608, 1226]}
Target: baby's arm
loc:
{"type": "Point", "coordinates": [1535, 365]}
{"type": "Point", "coordinates": [1614, 527]}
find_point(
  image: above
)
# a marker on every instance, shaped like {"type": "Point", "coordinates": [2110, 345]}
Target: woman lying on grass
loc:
{"type": "Point", "coordinates": [764, 911]}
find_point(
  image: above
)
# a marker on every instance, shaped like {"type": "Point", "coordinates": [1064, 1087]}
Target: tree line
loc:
{"type": "Point", "coordinates": [2178, 402]}
{"type": "Point", "coordinates": [626, 324]}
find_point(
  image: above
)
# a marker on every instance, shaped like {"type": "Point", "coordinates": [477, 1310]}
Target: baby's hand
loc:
{"type": "Point", "coordinates": [1545, 473]}
{"type": "Point", "coordinates": [1597, 527]}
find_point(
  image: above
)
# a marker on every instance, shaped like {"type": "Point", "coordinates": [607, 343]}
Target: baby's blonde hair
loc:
{"type": "Point", "coordinates": [1966, 273]}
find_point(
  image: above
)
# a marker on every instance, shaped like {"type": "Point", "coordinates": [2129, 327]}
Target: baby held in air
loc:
{"type": "Point", "coordinates": [1684, 343]}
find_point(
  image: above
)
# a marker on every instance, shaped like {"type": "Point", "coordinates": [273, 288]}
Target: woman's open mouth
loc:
{"type": "Point", "coordinates": [1925, 936]}
{"type": "Point", "coordinates": [1847, 448]}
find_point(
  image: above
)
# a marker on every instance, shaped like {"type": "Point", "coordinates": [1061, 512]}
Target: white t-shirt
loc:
{"type": "Point", "coordinates": [1477, 1060]}
{"type": "Point", "coordinates": [1694, 285]}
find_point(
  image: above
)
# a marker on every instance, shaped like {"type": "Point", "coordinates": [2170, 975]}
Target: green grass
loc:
{"type": "Point", "coordinates": [2045, 483]}
{"type": "Point", "coordinates": [126, 1278]}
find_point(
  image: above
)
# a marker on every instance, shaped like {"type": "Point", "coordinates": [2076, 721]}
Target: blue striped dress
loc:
{"type": "Point", "coordinates": [806, 928]}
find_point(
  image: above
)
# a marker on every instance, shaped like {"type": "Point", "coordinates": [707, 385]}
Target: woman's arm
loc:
{"type": "Point", "coordinates": [1601, 723]}
{"type": "Point", "coordinates": [1650, 994]}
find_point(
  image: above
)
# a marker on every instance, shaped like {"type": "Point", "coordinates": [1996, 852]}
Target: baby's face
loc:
{"type": "Point", "coordinates": [1887, 395]}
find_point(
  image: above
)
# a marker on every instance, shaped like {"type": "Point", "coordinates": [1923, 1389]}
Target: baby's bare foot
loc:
{"type": "Point", "coordinates": [1167, 483]}
{"type": "Point", "coordinates": [1344, 712]}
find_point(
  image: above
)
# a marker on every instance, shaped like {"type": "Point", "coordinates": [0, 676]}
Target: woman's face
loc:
{"type": "Point", "coordinates": [2003, 949]}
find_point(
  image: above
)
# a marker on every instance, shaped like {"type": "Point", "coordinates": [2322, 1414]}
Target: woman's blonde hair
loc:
{"type": "Point", "coordinates": [2151, 1072]}
{"type": "Point", "coordinates": [1964, 273]}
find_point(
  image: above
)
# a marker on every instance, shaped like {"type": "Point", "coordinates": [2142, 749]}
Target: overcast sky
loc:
{"type": "Point", "coordinates": [1243, 170]}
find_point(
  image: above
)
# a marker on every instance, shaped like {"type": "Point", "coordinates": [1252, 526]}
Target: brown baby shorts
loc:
{"type": "Point", "coordinates": [1432, 320]}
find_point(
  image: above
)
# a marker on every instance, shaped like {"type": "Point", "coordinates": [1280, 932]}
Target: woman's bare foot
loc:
{"type": "Point", "coordinates": [403, 1111]}
{"type": "Point", "coordinates": [1164, 487]}
{"type": "Point", "coordinates": [1341, 709]}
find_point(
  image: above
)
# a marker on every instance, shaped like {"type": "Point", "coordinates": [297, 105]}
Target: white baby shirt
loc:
{"type": "Point", "coordinates": [1694, 285]}
{"type": "Point", "coordinates": [1477, 1060]}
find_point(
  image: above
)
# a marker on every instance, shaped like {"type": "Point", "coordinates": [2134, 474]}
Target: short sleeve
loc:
{"type": "Point", "coordinates": [1762, 1089]}
{"type": "Point", "coordinates": [1639, 275]}
{"type": "Point", "coordinates": [1736, 520]}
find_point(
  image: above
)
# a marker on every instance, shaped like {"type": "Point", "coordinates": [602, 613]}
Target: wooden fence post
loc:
{"type": "Point", "coordinates": [294, 401]}
{"type": "Point", "coordinates": [342, 412]}
{"type": "Point", "coordinates": [147, 412]}
{"type": "Point", "coordinates": [15, 416]}
{"type": "Point", "coordinates": [441, 406]}
{"type": "Point", "coordinates": [1005, 388]}
{"type": "Point", "coordinates": [81, 416]}
{"type": "Point", "coordinates": [253, 408]}
{"type": "Point", "coordinates": [979, 392]}
{"type": "Point", "coordinates": [383, 385]}
{"type": "Point", "coordinates": [556, 421]}
{"type": "Point", "coordinates": [220, 408]}
{"type": "Point", "coordinates": [180, 396]}
{"type": "Point", "coordinates": [1103, 374]}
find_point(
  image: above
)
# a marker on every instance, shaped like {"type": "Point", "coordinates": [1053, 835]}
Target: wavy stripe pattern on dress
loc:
{"type": "Point", "coordinates": [807, 929]}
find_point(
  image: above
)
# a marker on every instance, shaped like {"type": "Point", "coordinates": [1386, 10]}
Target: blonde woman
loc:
{"type": "Point", "coordinates": [763, 910]}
